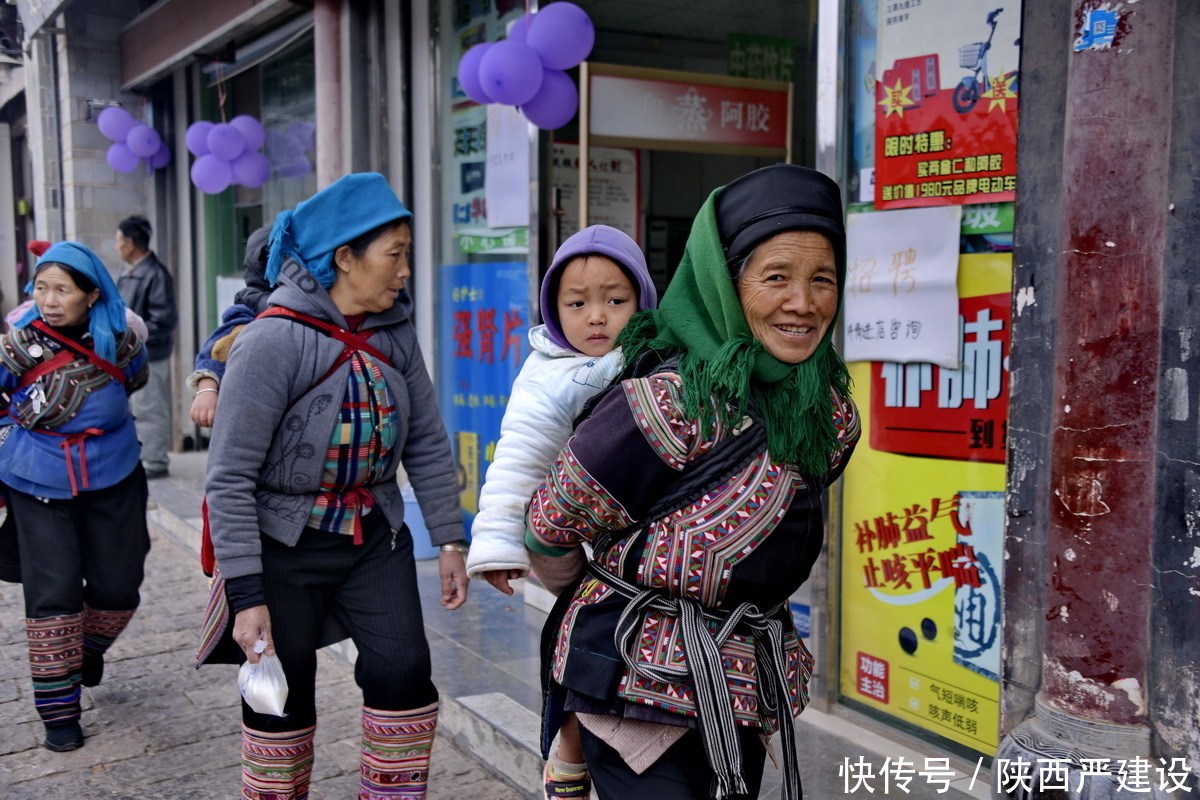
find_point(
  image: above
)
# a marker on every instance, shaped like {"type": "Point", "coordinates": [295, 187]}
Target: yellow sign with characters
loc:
{"type": "Point", "coordinates": [922, 527]}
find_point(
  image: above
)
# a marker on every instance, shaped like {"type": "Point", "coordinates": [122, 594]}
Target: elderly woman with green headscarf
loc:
{"type": "Point", "coordinates": [698, 486]}
{"type": "Point", "coordinates": [324, 396]}
{"type": "Point", "coordinates": [70, 460]}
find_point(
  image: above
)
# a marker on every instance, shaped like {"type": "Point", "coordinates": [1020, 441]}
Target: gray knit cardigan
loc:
{"type": "Point", "coordinates": [265, 464]}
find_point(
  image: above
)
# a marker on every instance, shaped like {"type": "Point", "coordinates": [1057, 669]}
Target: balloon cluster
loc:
{"type": "Point", "coordinates": [288, 149]}
{"type": "Point", "coordinates": [527, 68]}
{"type": "Point", "coordinates": [227, 154]}
{"type": "Point", "coordinates": [132, 142]}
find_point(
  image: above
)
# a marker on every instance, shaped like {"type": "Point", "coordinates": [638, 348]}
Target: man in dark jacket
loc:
{"type": "Point", "coordinates": [147, 288]}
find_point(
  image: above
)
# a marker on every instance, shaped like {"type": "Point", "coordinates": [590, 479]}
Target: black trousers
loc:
{"type": "Point", "coordinates": [371, 591]}
{"type": "Point", "coordinates": [89, 548]}
{"type": "Point", "coordinates": [681, 773]}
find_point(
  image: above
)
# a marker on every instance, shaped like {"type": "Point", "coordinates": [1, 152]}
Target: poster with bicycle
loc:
{"type": "Point", "coordinates": [946, 88]}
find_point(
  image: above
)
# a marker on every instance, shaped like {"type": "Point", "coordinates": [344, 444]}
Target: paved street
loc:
{"type": "Point", "coordinates": [158, 729]}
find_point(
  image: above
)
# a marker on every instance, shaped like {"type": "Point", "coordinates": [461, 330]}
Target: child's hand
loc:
{"type": "Point", "coordinates": [204, 408]}
{"type": "Point", "coordinates": [499, 578]}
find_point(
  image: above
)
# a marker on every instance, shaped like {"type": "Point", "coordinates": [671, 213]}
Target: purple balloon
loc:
{"type": "Point", "coordinates": [555, 103]}
{"type": "Point", "coordinates": [251, 130]}
{"type": "Point", "coordinates": [143, 140]}
{"type": "Point", "coordinates": [510, 73]}
{"type": "Point", "coordinates": [121, 158]}
{"type": "Point", "coordinates": [211, 175]}
{"type": "Point", "coordinates": [161, 157]}
{"type": "Point", "coordinates": [518, 30]}
{"type": "Point", "coordinates": [251, 169]}
{"type": "Point", "coordinates": [197, 137]}
{"type": "Point", "coordinates": [114, 122]}
{"type": "Point", "coordinates": [225, 142]}
{"type": "Point", "coordinates": [562, 34]}
{"type": "Point", "coordinates": [468, 73]}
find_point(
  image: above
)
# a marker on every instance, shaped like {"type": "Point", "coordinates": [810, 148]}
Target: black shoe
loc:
{"type": "Point", "coordinates": [61, 737]}
{"type": "Point", "coordinates": [151, 474]}
{"type": "Point", "coordinates": [93, 668]}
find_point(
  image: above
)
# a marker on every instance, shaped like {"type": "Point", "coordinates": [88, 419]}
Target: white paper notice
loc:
{"type": "Point", "coordinates": [506, 181]}
{"type": "Point", "coordinates": [901, 299]}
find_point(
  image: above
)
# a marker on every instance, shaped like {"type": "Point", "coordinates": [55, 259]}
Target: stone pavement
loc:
{"type": "Point", "coordinates": [158, 729]}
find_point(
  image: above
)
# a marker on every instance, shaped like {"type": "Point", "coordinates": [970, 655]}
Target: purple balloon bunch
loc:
{"type": "Point", "coordinates": [527, 68]}
{"type": "Point", "coordinates": [227, 154]}
{"type": "Point", "coordinates": [132, 142]}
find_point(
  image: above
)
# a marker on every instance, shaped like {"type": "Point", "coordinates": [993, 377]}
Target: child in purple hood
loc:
{"type": "Point", "coordinates": [597, 281]}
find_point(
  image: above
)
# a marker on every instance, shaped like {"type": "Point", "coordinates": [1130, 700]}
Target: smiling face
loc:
{"type": "Point", "coordinates": [789, 293]}
{"type": "Point", "coordinates": [595, 300]}
{"type": "Point", "coordinates": [60, 299]}
{"type": "Point", "coordinates": [371, 282]}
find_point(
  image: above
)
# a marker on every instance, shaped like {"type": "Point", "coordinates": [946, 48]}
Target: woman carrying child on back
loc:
{"type": "Point", "coordinates": [598, 279]}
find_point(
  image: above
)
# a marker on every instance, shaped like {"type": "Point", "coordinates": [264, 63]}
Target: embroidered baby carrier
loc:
{"type": "Point", "coordinates": [704, 669]}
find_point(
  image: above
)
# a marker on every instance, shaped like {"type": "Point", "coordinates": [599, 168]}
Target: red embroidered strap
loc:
{"type": "Point", "coordinates": [112, 369]}
{"type": "Point", "coordinates": [61, 359]}
{"type": "Point", "coordinates": [352, 340]}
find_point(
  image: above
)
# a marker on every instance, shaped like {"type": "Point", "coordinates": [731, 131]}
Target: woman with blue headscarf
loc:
{"type": "Point", "coordinates": [71, 463]}
{"type": "Point", "coordinates": [323, 397]}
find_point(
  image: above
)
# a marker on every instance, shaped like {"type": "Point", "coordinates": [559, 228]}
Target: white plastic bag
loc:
{"type": "Point", "coordinates": [263, 685]}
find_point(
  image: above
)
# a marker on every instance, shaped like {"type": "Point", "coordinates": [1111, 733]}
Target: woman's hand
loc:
{"type": "Point", "coordinates": [252, 624]}
{"type": "Point", "coordinates": [499, 578]}
{"type": "Point", "coordinates": [453, 570]}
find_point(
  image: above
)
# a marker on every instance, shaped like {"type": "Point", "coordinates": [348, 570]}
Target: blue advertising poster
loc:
{"type": "Point", "coordinates": [485, 311]}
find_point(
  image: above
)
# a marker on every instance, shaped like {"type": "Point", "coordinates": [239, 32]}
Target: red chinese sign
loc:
{"type": "Point", "coordinates": [926, 410]}
{"type": "Point", "coordinates": [933, 148]}
{"type": "Point", "coordinates": [660, 109]}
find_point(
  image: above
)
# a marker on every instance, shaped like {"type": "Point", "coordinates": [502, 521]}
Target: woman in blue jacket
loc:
{"type": "Point", "coordinates": [72, 466]}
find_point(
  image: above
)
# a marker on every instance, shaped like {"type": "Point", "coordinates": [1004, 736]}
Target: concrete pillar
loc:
{"type": "Point", "coordinates": [327, 55]}
{"type": "Point", "coordinates": [1099, 508]}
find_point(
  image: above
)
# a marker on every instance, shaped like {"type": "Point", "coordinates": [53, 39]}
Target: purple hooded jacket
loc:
{"type": "Point", "coordinates": [601, 240]}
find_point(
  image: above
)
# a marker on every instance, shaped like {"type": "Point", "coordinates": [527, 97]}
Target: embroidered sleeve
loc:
{"type": "Point", "coordinates": [849, 428]}
{"type": "Point", "coordinates": [618, 463]}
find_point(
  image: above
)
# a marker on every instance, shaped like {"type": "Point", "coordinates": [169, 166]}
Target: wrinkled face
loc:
{"type": "Point", "coordinates": [595, 300]}
{"type": "Point", "coordinates": [125, 247]}
{"type": "Point", "coordinates": [371, 283]}
{"type": "Point", "coordinates": [60, 299]}
{"type": "Point", "coordinates": [789, 293]}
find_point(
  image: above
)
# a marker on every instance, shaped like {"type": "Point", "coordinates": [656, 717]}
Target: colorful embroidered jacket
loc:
{"type": "Point", "coordinates": [76, 434]}
{"type": "Point", "coordinates": [753, 539]}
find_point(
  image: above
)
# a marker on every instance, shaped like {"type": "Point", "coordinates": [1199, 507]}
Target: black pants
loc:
{"type": "Point", "coordinates": [371, 591]}
{"type": "Point", "coordinates": [90, 548]}
{"type": "Point", "coordinates": [681, 773]}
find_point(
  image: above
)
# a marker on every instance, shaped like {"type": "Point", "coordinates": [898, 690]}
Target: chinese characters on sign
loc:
{"type": "Point", "coordinates": [685, 111]}
{"type": "Point", "coordinates": [901, 286]}
{"type": "Point", "coordinates": [945, 103]}
{"type": "Point", "coordinates": [613, 179]}
{"type": "Point", "coordinates": [486, 311]}
{"type": "Point", "coordinates": [762, 57]}
{"type": "Point", "coordinates": [928, 410]}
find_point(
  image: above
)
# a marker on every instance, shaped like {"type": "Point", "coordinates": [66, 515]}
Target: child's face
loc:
{"type": "Point", "coordinates": [595, 300]}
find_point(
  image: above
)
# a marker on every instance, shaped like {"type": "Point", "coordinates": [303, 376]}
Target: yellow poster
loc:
{"type": "Point", "coordinates": [922, 526]}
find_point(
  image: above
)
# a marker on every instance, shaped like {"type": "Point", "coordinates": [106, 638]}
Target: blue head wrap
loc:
{"type": "Point", "coordinates": [339, 213]}
{"type": "Point", "coordinates": [107, 316]}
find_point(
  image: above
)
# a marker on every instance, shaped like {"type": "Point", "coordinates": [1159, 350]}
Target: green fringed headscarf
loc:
{"type": "Point", "coordinates": [700, 319]}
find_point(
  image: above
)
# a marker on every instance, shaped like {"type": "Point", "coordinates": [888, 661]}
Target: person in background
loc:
{"type": "Point", "coordinates": [148, 289]}
{"type": "Point", "coordinates": [678, 651]}
{"type": "Point", "coordinates": [595, 283]}
{"type": "Point", "coordinates": [249, 302]}
{"type": "Point", "coordinates": [319, 405]}
{"type": "Point", "coordinates": [77, 490]}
